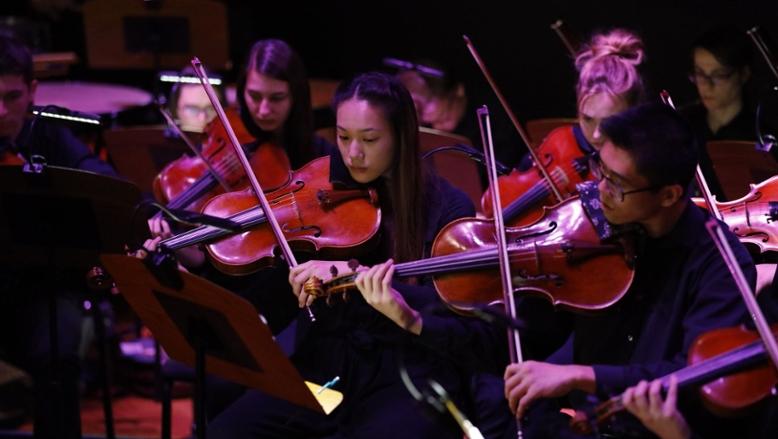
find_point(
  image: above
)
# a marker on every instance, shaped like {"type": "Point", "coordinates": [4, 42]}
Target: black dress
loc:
{"type": "Point", "coordinates": [355, 342]}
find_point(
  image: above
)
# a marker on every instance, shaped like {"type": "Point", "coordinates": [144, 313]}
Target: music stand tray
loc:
{"type": "Point", "coordinates": [223, 327]}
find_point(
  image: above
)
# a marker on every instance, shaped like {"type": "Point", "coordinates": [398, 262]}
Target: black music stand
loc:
{"type": "Point", "coordinates": [207, 327]}
{"type": "Point", "coordinates": [62, 219]}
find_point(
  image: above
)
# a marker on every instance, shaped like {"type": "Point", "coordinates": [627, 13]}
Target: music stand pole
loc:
{"type": "Point", "coordinates": [60, 219]}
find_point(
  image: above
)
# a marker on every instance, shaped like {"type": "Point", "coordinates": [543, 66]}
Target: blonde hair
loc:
{"type": "Point", "coordinates": [609, 63]}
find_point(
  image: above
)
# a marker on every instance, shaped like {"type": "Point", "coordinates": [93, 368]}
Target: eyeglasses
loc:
{"type": "Point", "coordinates": [599, 173]}
{"type": "Point", "coordinates": [194, 111]}
{"type": "Point", "coordinates": [714, 79]}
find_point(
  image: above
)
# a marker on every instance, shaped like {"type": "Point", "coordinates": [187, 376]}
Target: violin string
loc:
{"type": "Point", "coordinates": [247, 218]}
{"type": "Point", "coordinates": [538, 192]}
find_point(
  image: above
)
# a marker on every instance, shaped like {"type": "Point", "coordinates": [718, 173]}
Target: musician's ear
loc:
{"type": "Point", "coordinates": [670, 194]}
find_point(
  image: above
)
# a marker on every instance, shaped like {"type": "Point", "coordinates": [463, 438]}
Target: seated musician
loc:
{"type": "Point", "coordinates": [275, 106]}
{"type": "Point", "coordinates": [721, 70]}
{"type": "Point", "coordinates": [24, 307]}
{"type": "Point", "coordinates": [681, 287]}
{"type": "Point", "coordinates": [361, 339]}
{"type": "Point", "coordinates": [189, 104]}
{"type": "Point", "coordinates": [446, 100]}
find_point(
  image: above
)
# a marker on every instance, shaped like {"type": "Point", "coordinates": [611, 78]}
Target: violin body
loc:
{"type": "Point", "coordinates": [187, 183]}
{"type": "Point", "coordinates": [752, 218]}
{"type": "Point", "coordinates": [730, 364]}
{"type": "Point", "coordinates": [732, 394]}
{"type": "Point", "coordinates": [522, 192]}
{"type": "Point", "coordinates": [560, 257]}
{"type": "Point", "coordinates": [314, 217]}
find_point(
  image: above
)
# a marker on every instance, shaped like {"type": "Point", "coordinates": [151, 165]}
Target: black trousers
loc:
{"type": "Point", "coordinates": [387, 413]}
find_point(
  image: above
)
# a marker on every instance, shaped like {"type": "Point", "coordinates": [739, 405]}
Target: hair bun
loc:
{"type": "Point", "coordinates": [618, 42]}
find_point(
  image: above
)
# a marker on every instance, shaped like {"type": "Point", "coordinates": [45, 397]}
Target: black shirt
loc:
{"type": "Point", "coordinates": [352, 340]}
{"type": "Point", "coordinates": [742, 127]}
{"type": "Point", "coordinates": [54, 141]}
{"type": "Point", "coordinates": [682, 289]}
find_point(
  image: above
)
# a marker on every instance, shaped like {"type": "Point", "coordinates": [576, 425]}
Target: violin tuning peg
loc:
{"type": "Point", "coordinates": [353, 264]}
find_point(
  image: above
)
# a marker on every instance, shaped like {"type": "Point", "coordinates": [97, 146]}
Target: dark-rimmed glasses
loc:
{"type": "Point", "coordinates": [618, 192]}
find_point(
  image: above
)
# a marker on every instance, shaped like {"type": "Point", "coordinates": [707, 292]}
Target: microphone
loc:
{"type": "Point", "coordinates": [62, 113]}
{"type": "Point", "coordinates": [441, 399]}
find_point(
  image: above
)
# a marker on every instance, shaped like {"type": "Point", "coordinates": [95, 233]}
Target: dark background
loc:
{"type": "Point", "coordinates": [527, 59]}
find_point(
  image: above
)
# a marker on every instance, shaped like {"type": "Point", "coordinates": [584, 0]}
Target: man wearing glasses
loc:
{"type": "Point", "coordinates": [681, 288]}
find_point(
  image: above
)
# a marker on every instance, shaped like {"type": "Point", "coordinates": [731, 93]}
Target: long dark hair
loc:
{"type": "Point", "coordinates": [276, 59]}
{"type": "Point", "coordinates": [406, 189]}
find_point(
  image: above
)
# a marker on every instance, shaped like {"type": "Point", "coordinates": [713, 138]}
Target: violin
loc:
{"type": "Point", "coordinates": [752, 218]}
{"type": "Point", "coordinates": [731, 364]}
{"type": "Point", "coordinates": [561, 257]}
{"type": "Point", "coordinates": [522, 191]}
{"type": "Point", "coordinates": [555, 170]}
{"type": "Point", "coordinates": [188, 181]}
{"type": "Point", "coordinates": [315, 216]}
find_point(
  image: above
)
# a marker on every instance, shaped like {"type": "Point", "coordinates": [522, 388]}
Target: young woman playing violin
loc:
{"type": "Point", "coordinates": [360, 339]}
{"type": "Point", "coordinates": [608, 82]}
{"type": "Point", "coordinates": [275, 106]}
{"type": "Point", "coordinates": [681, 287]}
{"type": "Point", "coordinates": [721, 64]}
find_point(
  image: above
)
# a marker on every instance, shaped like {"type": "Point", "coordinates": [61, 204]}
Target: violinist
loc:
{"type": "Point", "coordinates": [681, 287]}
{"type": "Point", "coordinates": [275, 106]}
{"type": "Point", "coordinates": [23, 135]}
{"type": "Point", "coordinates": [721, 69]}
{"type": "Point", "coordinates": [24, 311]}
{"type": "Point", "coordinates": [609, 81]}
{"type": "Point", "coordinates": [359, 339]}
{"type": "Point", "coordinates": [660, 414]}
{"type": "Point", "coordinates": [189, 104]}
{"type": "Point", "coordinates": [446, 101]}
{"type": "Point", "coordinates": [274, 100]}
{"type": "Point", "coordinates": [722, 62]}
